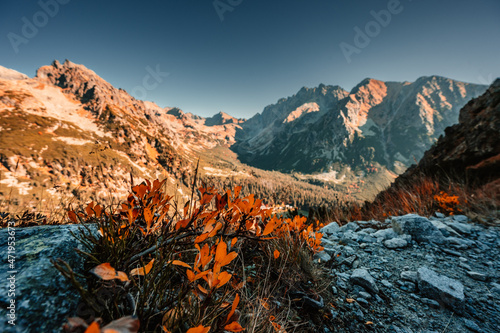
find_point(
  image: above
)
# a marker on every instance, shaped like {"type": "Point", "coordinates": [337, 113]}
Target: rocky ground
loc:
{"type": "Point", "coordinates": [413, 274]}
{"type": "Point", "coordinates": [405, 275]}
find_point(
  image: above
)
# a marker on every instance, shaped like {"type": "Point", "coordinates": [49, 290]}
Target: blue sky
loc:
{"type": "Point", "coordinates": [260, 51]}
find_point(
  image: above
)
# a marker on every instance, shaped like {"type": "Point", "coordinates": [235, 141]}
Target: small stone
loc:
{"type": "Point", "coordinates": [364, 295]}
{"type": "Point", "coordinates": [465, 266]}
{"type": "Point", "coordinates": [322, 257]}
{"type": "Point", "coordinates": [386, 283]}
{"type": "Point", "coordinates": [430, 302]}
{"type": "Point", "coordinates": [472, 325]}
{"type": "Point", "coordinates": [407, 286]}
{"type": "Point", "coordinates": [451, 252]}
{"type": "Point", "coordinates": [363, 278]}
{"type": "Point", "coordinates": [395, 243]}
{"type": "Point", "coordinates": [440, 287]}
{"type": "Point", "coordinates": [409, 276]}
{"type": "Point", "coordinates": [385, 234]}
{"type": "Point", "coordinates": [439, 215]}
{"type": "Point", "coordinates": [334, 290]}
{"type": "Point", "coordinates": [363, 302]}
{"type": "Point", "coordinates": [477, 276]}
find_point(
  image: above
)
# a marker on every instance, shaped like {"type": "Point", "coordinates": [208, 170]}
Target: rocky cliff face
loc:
{"type": "Point", "coordinates": [470, 150]}
{"type": "Point", "coordinates": [389, 123]}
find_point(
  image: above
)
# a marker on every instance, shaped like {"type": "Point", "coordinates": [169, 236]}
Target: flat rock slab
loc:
{"type": "Point", "coordinates": [43, 298]}
{"type": "Point", "coordinates": [441, 288]}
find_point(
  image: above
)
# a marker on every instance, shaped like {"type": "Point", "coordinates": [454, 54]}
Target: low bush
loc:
{"type": "Point", "coordinates": [220, 263]}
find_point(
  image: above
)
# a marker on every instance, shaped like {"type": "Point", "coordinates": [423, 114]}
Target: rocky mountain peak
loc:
{"type": "Point", "coordinates": [222, 118]}
{"type": "Point", "coordinates": [10, 74]}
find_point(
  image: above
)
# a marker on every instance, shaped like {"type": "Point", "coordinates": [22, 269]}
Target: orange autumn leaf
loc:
{"type": "Point", "coordinates": [223, 278]}
{"type": "Point", "coordinates": [201, 238]}
{"type": "Point", "coordinates": [269, 227]}
{"type": "Point", "coordinates": [98, 210]}
{"type": "Point", "coordinates": [190, 274]}
{"type": "Point", "coordinates": [234, 327]}
{"type": "Point", "coordinates": [276, 254]}
{"type": "Point", "coordinates": [230, 257]}
{"type": "Point", "coordinates": [106, 272]}
{"type": "Point", "coordinates": [72, 216]}
{"type": "Point", "coordinates": [93, 328]}
{"type": "Point", "coordinates": [233, 307]}
{"type": "Point", "coordinates": [179, 263]}
{"type": "Point", "coordinates": [148, 217]}
{"type": "Point", "coordinates": [349, 300]}
{"type": "Point", "coordinates": [233, 241]}
{"type": "Point", "coordinates": [199, 329]}
{"type": "Point", "coordinates": [369, 323]}
{"type": "Point", "coordinates": [143, 270]}
{"type": "Point", "coordinates": [89, 209]}
{"type": "Point", "coordinates": [237, 191]}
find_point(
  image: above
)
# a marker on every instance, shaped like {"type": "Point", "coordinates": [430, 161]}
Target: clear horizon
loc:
{"type": "Point", "coordinates": [239, 56]}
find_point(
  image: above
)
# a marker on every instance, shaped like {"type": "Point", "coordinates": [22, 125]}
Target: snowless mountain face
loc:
{"type": "Point", "coordinates": [322, 129]}
{"type": "Point", "coordinates": [69, 133]}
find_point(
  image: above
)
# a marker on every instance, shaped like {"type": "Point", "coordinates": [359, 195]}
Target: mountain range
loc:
{"type": "Point", "coordinates": [320, 129]}
{"type": "Point", "coordinates": [67, 132]}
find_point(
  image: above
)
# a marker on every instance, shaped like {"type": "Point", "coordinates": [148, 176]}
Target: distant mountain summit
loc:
{"type": "Point", "coordinates": [222, 118]}
{"type": "Point", "coordinates": [320, 129]}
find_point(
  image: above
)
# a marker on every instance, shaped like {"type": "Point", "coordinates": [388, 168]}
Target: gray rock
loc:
{"type": "Point", "coordinates": [395, 243]}
{"type": "Point", "coordinates": [409, 276]}
{"type": "Point", "coordinates": [462, 228]}
{"type": "Point", "coordinates": [451, 252]}
{"type": "Point", "coordinates": [322, 257]}
{"type": "Point", "coordinates": [430, 302]}
{"type": "Point", "coordinates": [385, 234]}
{"type": "Point", "coordinates": [465, 266]}
{"type": "Point", "coordinates": [363, 302]}
{"type": "Point", "coordinates": [364, 294]}
{"type": "Point", "coordinates": [351, 226]}
{"type": "Point", "coordinates": [472, 325]}
{"type": "Point", "coordinates": [327, 242]}
{"type": "Point", "coordinates": [386, 283]}
{"type": "Point", "coordinates": [407, 286]}
{"type": "Point", "coordinates": [477, 276]}
{"type": "Point", "coordinates": [330, 229]}
{"type": "Point", "coordinates": [460, 218]}
{"type": "Point", "coordinates": [440, 288]}
{"type": "Point", "coordinates": [418, 227]}
{"type": "Point", "coordinates": [444, 229]}
{"type": "Point", "coordinates": [439, 215]}
{"type": "Point", "coordinates": [363, 278]}
{"type": "Point", "coordinates": [43, 298]}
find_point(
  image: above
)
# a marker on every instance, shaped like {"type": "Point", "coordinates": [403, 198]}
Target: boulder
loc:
{"type": "Point", "coordinates": [418, 227]}
{"type": "Point", "coordinates": [441, 288]}
{"type": "Point", "coordinates": [43, 297]}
